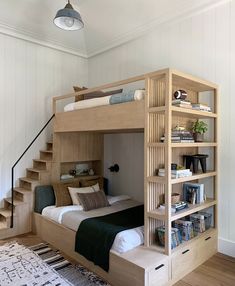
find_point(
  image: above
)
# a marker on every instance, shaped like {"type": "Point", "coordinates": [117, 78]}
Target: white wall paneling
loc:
{"type": "Point", "coordinates": [30, 75]}
{"type": "Point", "coordinates": [203, 45]}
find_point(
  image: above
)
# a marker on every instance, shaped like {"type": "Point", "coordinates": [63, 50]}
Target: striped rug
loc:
{"type": "Point", "coordinates": [77, 275]}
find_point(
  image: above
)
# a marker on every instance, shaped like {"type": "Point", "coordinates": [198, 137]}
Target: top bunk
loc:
{"type": "Point", "coordinates": [107, 110]}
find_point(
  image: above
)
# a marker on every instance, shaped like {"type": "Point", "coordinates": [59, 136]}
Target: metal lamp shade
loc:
{"type": "Point", "coordinates": [68, 19]}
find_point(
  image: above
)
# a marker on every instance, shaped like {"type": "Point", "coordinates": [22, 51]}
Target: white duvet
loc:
{"type": "Point", "coordinates": [124, 240]}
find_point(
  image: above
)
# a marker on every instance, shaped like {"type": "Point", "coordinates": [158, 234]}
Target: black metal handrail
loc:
{"type": "Point", "coordinates": [13, 167]}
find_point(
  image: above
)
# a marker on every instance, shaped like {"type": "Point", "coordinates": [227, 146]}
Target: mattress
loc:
{"type": "Point", "coordinates": [106, 100]}
{"type": "Point", "coordinates": [72, 216]}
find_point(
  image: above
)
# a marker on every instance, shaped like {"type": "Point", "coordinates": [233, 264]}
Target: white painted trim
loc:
{"type": "Point", "coordinates": [119, 40]}
{"type": "Point", "coordinates": [26, 36]}
{"type": "Point", "coordinates": [227, 247]}
{"type": "Point", "coordinates": [143, 29]}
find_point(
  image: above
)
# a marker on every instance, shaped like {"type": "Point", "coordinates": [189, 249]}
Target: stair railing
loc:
{"type": "Point", "coordinates": [13, 167]}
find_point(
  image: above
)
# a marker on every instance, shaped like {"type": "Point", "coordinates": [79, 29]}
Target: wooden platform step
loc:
{"type": "Point", "coordinates": [6, 213]}
{"type": "Point", "coordinates": [46, 151]}
{"type": "Point", "coordinates": [22, 190]}
{"type": "Point", "coordinates": [3, 225]}
{"type": "Point", "coordinates": [36, 170]}
{"type": "Point", "coordinates": [15, 203]}
{"type": "Point", "coordinates": [28, 180]}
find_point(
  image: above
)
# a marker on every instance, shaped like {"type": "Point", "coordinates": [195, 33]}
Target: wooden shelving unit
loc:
{"type": "Point", "coordinates": [161, 117]}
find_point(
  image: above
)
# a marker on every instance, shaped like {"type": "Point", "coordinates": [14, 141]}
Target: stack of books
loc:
{"type": "Point", "coordinates": [182, 103]}
{"type": "Point", "coordinates": [176, 238]}
{"type": "Point", "coordinates": [186, 229]}
{"type": "Point", "coordinates": [193, 193]}
{"type": "Point", "coordinates": [175, 207]}
{"type": "Point", "coordinates": [201, 106]}
{"type": "Point", "coordinates": [175, 174]}
{"type": "Point", "coordinates": [180, 136]}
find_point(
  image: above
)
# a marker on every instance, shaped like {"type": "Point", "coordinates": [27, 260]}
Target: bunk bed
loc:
{"type": "Point", "coordinates": [78, 137]}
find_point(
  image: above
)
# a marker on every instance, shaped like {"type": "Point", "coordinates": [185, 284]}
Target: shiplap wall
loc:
{"type": "Point", "coordinates": [203, 45]}
{"type": "Point", "coordinates": [30, 75]}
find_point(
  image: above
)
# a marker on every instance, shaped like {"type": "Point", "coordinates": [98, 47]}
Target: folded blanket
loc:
{"type": "Point", "coordinates": [131, 95]}
{"type": "Point", "coordinates": [95, 236]}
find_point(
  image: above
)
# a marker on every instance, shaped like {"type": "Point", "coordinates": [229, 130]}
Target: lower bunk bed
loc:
{"type": "Point", "coordinates": [130, 263]}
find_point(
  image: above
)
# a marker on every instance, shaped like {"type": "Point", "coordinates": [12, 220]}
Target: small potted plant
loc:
{"type": "Point", "coordinates": [199, 128]}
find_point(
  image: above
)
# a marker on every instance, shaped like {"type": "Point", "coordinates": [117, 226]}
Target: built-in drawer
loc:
{"type": "Point", "coordinates": [193, 254]}
{"type": "Point", "coordinates": [183, 261]}
{"type": "Point", "coordinates": [159, 275]}
{"type": "Point", "coordinates": [206, 247]}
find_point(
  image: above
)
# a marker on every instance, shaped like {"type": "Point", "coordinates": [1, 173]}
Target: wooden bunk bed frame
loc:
{"type": "Point", "coordinates": [150, 264]}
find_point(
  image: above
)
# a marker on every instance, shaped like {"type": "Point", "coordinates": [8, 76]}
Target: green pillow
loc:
{"type": "Point", "coordinates": [44, 197]}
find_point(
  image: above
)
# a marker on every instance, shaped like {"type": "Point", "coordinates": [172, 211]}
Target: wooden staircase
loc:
{"type": "Point", "coordinates": [39, 174]}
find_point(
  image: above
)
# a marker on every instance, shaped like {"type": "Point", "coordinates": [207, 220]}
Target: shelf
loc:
{"type": "Point", "coordinates": [197, 176]}
{"type": "Point", "coordinates": [85, 177]}
{"type": "Point", "coordinates": [210, 232]}
{"type": "Point", "coordinates": [158, 144]}
{"type": "Point", "coordinates": [159, 109]}
{"type": "Point", "coordinates": [184, 112]}
{"type": "Point", "coordinates": [160, 215]}
{"type": "Point", "coordinates": [157, 214]}
{"type": "Point", "coordinates": [156, 179]}
{"type": "Point", "coordinates": [193, 208]}
{"type": "Point", "coordinates": [196, 144]}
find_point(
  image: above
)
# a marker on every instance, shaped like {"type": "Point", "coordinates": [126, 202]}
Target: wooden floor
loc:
{"type": "Point", "coordinates": [217, 271]}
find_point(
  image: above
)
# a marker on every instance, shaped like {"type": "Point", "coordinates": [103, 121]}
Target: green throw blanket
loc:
{"type": "Point", "coordinates": [95, 236]}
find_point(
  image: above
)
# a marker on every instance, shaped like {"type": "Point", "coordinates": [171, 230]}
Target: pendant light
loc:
{"type": "Point", "coordinates": [68, 19]}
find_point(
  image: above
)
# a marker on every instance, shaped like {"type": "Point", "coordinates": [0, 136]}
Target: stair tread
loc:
{"type": "Point", "coordinates": [36, 170]}
{"type": "Point", "coordinates": [3, 225]}
{"type": "Point", "coordinates": [16, 202]}
{"type": "Point", "coordinates": [41, 160]}
{"type": "Point", "coordinates": [5, 212]}
{"type": "Point", "coordinates": [29, 180]}
{"type": "Point", "coordinates": [46, 151]}
{"type": "Point", "coordinates": [50, 142]}
{"type": "Point", "coordinates": [22, 190]}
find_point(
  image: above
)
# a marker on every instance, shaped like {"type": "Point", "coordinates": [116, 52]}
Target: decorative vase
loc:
{"type": "Point", "coordinates": [198, 137]}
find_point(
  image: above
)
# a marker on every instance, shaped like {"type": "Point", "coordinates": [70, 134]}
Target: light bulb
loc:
{"type": "Point", "coordinates": [69, 22]}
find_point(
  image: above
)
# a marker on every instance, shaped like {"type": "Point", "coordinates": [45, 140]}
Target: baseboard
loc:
{"type": "Point", "coordinates": [227, 247]}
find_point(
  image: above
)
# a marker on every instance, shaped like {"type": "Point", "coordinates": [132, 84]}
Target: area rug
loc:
{"type": "Point", "coordinates": [76, 274]}
{"type": "Point", "coordinates": [22, 267]}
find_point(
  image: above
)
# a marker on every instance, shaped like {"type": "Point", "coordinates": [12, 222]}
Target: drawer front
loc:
{"type": "Point", "coordinates": [183, 261]}
{"type": "Point", "coordinates": [159, 275]}
{"type": "Point", "coordinates": [207, 247]}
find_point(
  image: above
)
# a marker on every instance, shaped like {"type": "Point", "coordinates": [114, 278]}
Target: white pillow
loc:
{"type": "Point", "coordinates": [74, 191]}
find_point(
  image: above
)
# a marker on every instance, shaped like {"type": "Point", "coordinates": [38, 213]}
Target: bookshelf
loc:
{"type": "Point", "coordinates": [160, 118]}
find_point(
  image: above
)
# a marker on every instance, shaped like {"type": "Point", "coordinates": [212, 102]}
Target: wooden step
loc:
{"type": "Point", "coordinates": [3, 225]}
{"type": "Point", "coordinates": [23, 194]}
{"type": "Point", "coordinates": [49, 145]}
{"type": "Point", "coordinates": [46, 155]}
{"type": "Point", "coordinates": [28, 183]}
{"type": "Point", "coordinates": [34, 173]}
{"type": "Point", "coordinates": [6, 213]}
{"type": "Point", "coordinates": [15, 203]}
{"type": "Point", "coordinates": [42, 164]}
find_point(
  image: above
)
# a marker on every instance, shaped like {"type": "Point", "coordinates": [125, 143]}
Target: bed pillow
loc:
{"type": "Point", "coordinates": [74, 191]}
{"type": "Point", "coordinates": [44, 197]}
{"type": "Point", "coordinates": [62, 195]}
{"type": "Point", "coordinates": [91, 201]}
{"type": "Point", "coordinates": [88, 183]}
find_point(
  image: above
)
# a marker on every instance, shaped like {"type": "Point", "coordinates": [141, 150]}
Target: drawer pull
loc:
{"type": "Point", "coordinates": [185, 251]}
{"type": "Point", "coordinates": [209, 237]}
{"type": "Point", "coordinates": [160, 266]}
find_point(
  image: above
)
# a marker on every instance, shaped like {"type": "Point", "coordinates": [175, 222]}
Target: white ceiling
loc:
{"type": "Point", "coordinates": [108, 23]}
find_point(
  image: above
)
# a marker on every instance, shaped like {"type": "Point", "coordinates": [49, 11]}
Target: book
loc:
{"type": "Point", "coordinates": [183, 106]}
{"type": "Point", "coordinates": [180, 101]}
{"type": "Point", "coordinates": [199, 106]}
{"type": "Point", "coordinates": [193, 193]}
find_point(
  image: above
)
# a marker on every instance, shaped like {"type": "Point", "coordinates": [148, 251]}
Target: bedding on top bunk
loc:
{"type": "Point", "coordinates": [132, 95]}
{"type": "Point", "coordinates": [71, 217]}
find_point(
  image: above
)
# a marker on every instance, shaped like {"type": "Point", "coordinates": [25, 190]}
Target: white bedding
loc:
{"type": "Point", "coordinates": [98, 101]}
{"type": "Point", "coordinates": [124, 241]}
